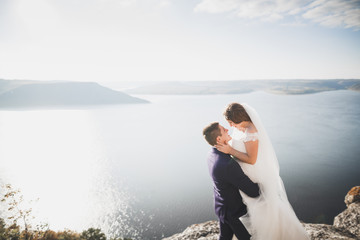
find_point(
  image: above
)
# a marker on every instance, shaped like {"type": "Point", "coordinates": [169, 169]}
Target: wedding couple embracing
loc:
{"type": "Point", "coordinates": [250, 199]}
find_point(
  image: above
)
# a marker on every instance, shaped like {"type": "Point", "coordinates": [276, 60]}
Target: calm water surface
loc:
{"type": "Point", "coordinates": [140, 170]}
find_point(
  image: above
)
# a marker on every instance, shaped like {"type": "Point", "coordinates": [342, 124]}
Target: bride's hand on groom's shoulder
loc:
{"type": "Point", "coordinates": [223, 147]}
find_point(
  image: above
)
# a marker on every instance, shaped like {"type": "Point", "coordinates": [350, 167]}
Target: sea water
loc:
{"type": "Point", "coordinates": [140, 170]}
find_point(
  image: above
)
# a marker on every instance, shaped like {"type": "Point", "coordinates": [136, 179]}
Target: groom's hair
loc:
{"type": "Point", "coordinates": [211, 132]}
{"type": "Point", "coordinates": [236, 113]}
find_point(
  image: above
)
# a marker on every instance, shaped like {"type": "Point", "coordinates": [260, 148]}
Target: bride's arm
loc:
{"type": "Point", "coordinates": [249, 157]}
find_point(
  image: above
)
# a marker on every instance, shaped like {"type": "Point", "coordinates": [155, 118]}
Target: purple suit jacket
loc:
{"type": "Point", "coordinates": [228, 178]}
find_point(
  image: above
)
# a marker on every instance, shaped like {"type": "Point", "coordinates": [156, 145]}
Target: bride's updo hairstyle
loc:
{"type": "Point", "coordinates": [236, 113]}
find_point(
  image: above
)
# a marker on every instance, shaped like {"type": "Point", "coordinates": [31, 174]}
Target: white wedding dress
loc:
{"type": "Point", "coordinates": [270, 216]}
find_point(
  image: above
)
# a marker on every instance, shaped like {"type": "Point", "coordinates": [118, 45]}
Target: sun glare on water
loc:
{"type": "Point", "coordinates": [57, 157]}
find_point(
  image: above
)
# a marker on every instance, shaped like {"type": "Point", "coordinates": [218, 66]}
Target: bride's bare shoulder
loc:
{"type": "Point", "coordinates": [252, 129]}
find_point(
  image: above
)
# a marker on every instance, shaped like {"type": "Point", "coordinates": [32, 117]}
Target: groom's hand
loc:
{"type": "Point", "coordinates": [223, 147]}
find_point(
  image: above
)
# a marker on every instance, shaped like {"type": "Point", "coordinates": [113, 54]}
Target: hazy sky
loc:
{"type": "Point", "coordinates": [122, 40]}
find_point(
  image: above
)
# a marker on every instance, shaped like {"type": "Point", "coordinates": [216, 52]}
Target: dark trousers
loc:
{"type": "Point", "coordinates": [231, 227]}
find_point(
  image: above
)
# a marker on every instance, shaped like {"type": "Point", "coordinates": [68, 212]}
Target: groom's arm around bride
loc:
{"type": "Point", "coordinates": [228, 178]}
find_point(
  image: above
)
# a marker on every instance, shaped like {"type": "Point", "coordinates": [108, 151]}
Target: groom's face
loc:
{"type": "Point", "coordinates": [225, 137]}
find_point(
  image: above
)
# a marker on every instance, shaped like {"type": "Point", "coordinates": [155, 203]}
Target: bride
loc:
{"type": "Point", "coordinates": [270, 216]}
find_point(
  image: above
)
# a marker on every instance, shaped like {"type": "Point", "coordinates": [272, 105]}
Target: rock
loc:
{"type": "Point", "coordinates": [210, 231]}
{"type": "Point", "coordinates": [346, 225]}
{"type": "Point", "coordinates": [204, 231]}
{"type": "Point", "coordinates": [353, 196]}
{"type": "Point", "coordinates": [349, 220]}
{"type": "Point", "coordinates": [327, 232]}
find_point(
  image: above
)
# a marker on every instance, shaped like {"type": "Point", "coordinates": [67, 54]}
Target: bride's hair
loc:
{"type": "Point", "coordinates": [211, 132]}
{"type": "Point", "coordinates": [236, 113]}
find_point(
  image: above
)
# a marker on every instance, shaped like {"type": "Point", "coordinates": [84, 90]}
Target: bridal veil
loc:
{"type": "Point", "coordinates": [270, 216]}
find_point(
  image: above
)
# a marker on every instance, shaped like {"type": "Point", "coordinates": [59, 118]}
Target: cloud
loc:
{"type": "Point", "coordinates": [335, 13]}
{"type": "Point", "coordinates": [250, 9]}
{"type": "Point", "coordinates": [329, 13]}
{"type": "Point", "coordinates": [217, 6]}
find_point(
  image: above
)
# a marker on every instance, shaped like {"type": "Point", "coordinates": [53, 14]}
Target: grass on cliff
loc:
{"type": "Point", "coordinates": [16, 225]}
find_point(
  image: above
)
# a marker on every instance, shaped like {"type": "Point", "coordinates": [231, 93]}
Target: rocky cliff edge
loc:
{"type": "Point", "coordinates": [346, 225]}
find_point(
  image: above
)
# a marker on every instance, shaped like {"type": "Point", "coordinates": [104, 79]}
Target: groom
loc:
{"type": "Point", "coordinates": [228, 178]}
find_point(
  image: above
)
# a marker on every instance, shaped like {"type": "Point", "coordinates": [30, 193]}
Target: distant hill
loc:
{"type": "Point", "coordinates": [243, 86]}
{"type": "Point", "coordinates": [30, 94]}
{"type": "Point", "coordinates": [355, 87]}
